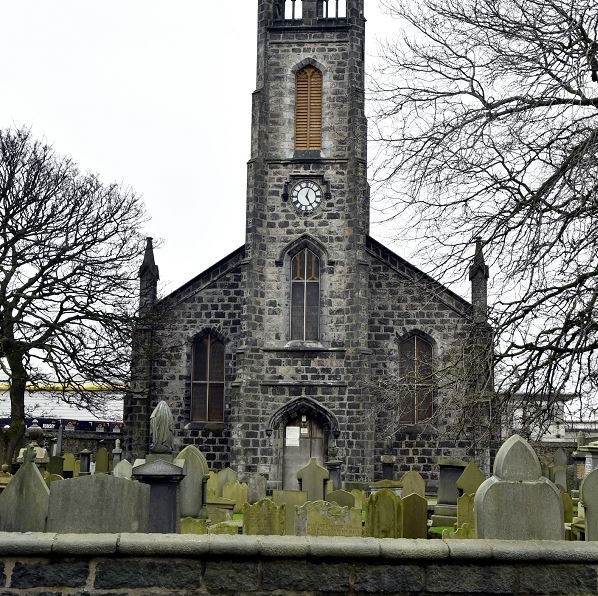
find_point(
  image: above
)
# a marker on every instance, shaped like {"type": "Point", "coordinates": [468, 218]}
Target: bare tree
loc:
{"type": "Point", "coordinates": [69, 248]}
{"type": "Point", "coordinates": [487, 123]}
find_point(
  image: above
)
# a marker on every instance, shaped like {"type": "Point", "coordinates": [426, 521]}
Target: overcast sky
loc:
{"type": "Point", "coordinates": [153, 94]}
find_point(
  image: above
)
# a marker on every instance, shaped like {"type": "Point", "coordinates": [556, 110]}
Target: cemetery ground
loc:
{"type": "Point", "coordinates": [170, 525]}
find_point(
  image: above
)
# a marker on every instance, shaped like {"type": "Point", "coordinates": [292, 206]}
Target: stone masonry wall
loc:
{"type": "Point", "coordinates": [143, 564]}
{"type": "Point", "coordinates": [210, 301]}
{"type": "Point", "coordinates": [403, 300]}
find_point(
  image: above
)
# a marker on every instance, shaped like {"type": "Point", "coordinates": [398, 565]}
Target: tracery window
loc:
{"type": "Point", "coordinates": [207, 379]}
{"type": "Point", "coordinates": [308, 109]}
{"type": "Point", "coordinates": [305, 296]}
{"type": "Point", "coordinates": [417, 379]}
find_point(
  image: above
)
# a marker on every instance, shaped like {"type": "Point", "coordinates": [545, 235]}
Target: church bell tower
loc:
{"type": "Point", "coordinates": [304, 320]}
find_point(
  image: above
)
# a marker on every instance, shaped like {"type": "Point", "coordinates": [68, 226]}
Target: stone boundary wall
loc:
{"type": "Point", "coordinates": [85, 564]}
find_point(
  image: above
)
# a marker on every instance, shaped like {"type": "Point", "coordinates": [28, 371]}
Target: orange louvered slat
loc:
{"type": "Point", "coordinates": [308, 109]}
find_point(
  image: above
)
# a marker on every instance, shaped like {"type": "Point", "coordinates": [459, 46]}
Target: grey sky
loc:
{"type": "Point", "coordinates": [153, 94]}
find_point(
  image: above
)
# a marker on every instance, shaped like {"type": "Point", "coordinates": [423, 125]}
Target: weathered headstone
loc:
{"type": "Point", "coordinates": [212, 486]}
{"type": "Point", "coordinates": [471, 479]}
{"type": "Point", "coordinates": [319, 518]}
{"type": "Point", "coordinates": [264, 518]}
{"type": "Point", "coordinates": [55, 465]}
{"type": "Point", "coordinates": [342, 498]}
{"type": "Point", "coordinates": [256, 488]}
{"type": "Point", "coordinates": [24, 502]}
{"type": "Point", "coordinates": [236, 492]}
{"type": "Point", "coordinates": [384, 515]}
{"type": "Point", "coordinates": [413, 483]}
{"type": "Point", "coordinates": [123, 469]}
{"type": "Point", "coordinates": [360, 498]}
{"type": "Point", "coordinates": [567, 505]}
{"type": "Point", "coordinates": [102, 461]}
{"type": "Point", "coordinates": [217, 515]}
{"type": "Point", "coordinates": [226, 476]}
{"type": "Point", "coordinates": [191, 486]}
{"type": "Point", "coordinates": [224, 528]}
{"type": "Point", "coordinates": [445, 511]}
{"type": "Point", "coordinates": [415, 516]}
{"type": "Point", "coordinates": [588, 496]}
{"type": "Point", "coordinates": [466, 512]}
{"type": "Point", "coordinates": [291, 499]}
{"type": "Point", "coordinates": [98, 503]}
{"type": "Point", "coordinates": [559, 468]}
{"type": "Point", "coordinates": [311, 480]}
{"type": "Point", "coordinates": [192, 525]}
{"type": "Point", "coordinates": [517, 502]}
{"type": "Point", "coordinates": [68, 466]}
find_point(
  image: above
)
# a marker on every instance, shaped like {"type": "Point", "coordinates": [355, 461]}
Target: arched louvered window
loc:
{"type": "Point", "coordinates": [417, 379]}
{"type": "Point", "coordinates": [308, 109]}
{"type": "Point", "coordinates": [305, 296]}
{"type": "Point", "coordinates": [207, 379]}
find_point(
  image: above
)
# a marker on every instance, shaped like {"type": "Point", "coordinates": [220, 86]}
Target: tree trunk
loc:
{"type": "Point", "coordinates": [16, 430]}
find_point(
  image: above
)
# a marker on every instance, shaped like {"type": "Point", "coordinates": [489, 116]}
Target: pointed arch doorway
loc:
{"type": "Point", "coordinates": [302, 429]}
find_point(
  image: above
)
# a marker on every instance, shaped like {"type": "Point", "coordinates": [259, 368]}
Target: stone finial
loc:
{"type": "Point", "coordinates": [148, 277]}
{"type": "Point", "coordinates": [148, 266]}
{"type": "Point", "coordinates": [478, 275]}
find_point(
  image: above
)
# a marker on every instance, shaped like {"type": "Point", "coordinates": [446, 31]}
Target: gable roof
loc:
{"type": "Point", "coordinates": [405, 269]}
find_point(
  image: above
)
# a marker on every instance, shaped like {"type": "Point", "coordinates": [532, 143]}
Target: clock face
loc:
{"type": "Point", "coordinates": [306, 195]}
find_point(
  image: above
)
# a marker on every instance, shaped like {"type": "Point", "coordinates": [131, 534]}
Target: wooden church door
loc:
{"type": "Point", "coordinates": [303, 438]}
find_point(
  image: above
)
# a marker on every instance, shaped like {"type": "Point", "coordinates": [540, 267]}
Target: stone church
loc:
{"type": "Point", "coordinates": [313, 339]}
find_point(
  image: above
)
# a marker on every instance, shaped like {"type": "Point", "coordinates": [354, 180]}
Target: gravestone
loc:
{"type": "Point", "coordinates": [102, 461]}
{"type": "Point", "coordinates": [342, 498]}
{"type": "Point", "coordinates": [264, 518]}
{"type": "Point", "coordinates": [226, 476]}
{"type": "Point", "coordinates": [98, 503]}
{"type": "Point", "coordinates": [212, 486]}
{"type": "Point", "coordinates": [465, 510]}
{"type": "Point", "coordinates": [311, 480]}
{"type": "Point", "coordinates": [55, 465]}
{"type": "Point", "coordinates": [559, 468]}
{"type": "Point", "coordinates": [163, 479]}
{"type": "Point", "coordinates": [319, 518]}
{"type": "Point", "coordinates": [218, 515]}
{"type": "Point", "coordinates": [567, 505]}
{"type": "Point", "coordinates": [471, 479]}
{"type": "Point", "coordinates": [291, 499]}
{"type": "Point", "coordinates": [415, 516]}
{"type": "Point", "coordinates": [224, 528]}
{"type": "Point", "coordinates": [191, 486]}
{"type": "Point", "coordinates": [68, 466]}
{"type": "Point", "coordinates": [24, 502]}
{"type": "Point", "coordinates": [360, 498]}
{"type": "Point", "coordinates": [53, 478]}
{"type": "Point", "coordinates": [384, 515]}
{"type": "Point", "coordinates": [445, 511]}
{"type": "Point", "coordinates": [237, 493]}
{"type": "Point", "coordinates": [256, 488]}
{"type": "Point", "coordinates": [192, 525]}
{"type": "Point", "coordinates": [517, 502]}
{"type": "Point", "coordinates": [588, 496]}
{"type": "Point", "coordinates": [412, 483]}
{"type": "Point", "coordinates": [123, 469]}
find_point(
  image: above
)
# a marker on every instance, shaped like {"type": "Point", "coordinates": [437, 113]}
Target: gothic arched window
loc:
{"type": "Point", "coordinates": [417, 379]}
{"type": "Point", "coordinates": [207, 379]}
{"type": "Point", "coordinates": [308, 109]}
{"type": "Point", "coordinates": [305, 296]}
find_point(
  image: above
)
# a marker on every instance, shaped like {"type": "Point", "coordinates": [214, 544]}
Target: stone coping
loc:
{"type": "Point", "coordinates": [14, 544]}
